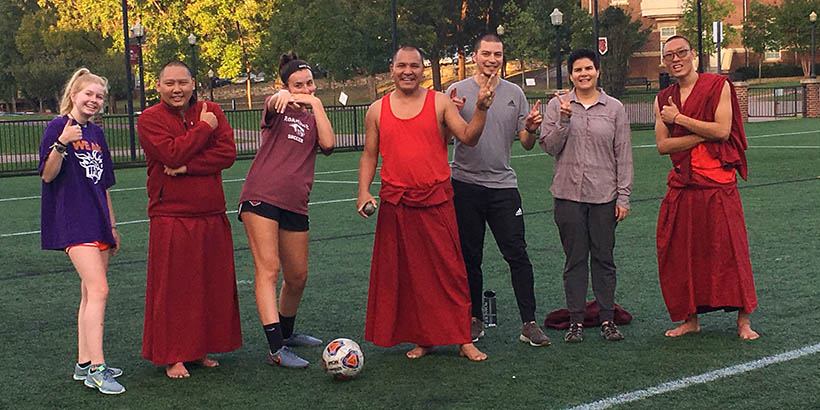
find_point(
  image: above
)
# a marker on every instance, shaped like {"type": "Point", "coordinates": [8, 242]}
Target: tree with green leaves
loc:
{"type": "Point", "coordinates": [624, 37]}
{"type": "Point", "coordinates": [792, 18]}
{"type": "Point", "coordinates": [761, 31]}
{"type": "Point", "coordinates": [711, 11]}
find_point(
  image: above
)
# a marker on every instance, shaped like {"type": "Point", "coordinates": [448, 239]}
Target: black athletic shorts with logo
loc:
{"type": "Point", "coordinates": [289, 221]}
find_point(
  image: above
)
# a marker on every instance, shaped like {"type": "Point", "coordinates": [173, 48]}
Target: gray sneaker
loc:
{"type": "Point", "coordinates": [610, 332]}
{"type": "Point", "coordinates": [102, 379]}
{"type": "Point", "coordinates": [575, 334]}
{"type": "Point", "coordinates": [476, 329]}
{"type": "Point", "coordinates": [81, 372]}
{"type": "Point", "coordinates": [299, 339]}
{"type": "Point", "coordinates": [284, 357]}
{"type": "Point", "coordinates": [531, 333]}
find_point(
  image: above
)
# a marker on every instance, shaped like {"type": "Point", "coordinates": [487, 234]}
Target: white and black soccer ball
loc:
{"type": "Point", "coordinates": [342, 359]}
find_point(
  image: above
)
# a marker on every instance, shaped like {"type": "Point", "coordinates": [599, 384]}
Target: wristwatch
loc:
{"type": "Point", "coordinates": [59, 147]}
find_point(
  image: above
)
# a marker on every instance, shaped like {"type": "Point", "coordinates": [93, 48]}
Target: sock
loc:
{"type": "Point", "coordinates": [84, 365]}
{"type": "Point", "coordinates": [273, 332]}
{"type": "Point", "coordinates": [287, 325]}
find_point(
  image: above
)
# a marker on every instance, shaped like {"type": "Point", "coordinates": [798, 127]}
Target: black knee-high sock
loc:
{"type": "Point", "coordinates": [287, 325]}
{"type": "Point", "coordinates": [273, 332]}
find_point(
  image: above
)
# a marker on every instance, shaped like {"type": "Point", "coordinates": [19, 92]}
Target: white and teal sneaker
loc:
{"type": "Point", "coordinates": [81, 372]}
{"type": "Point", "coordinates": [284, 357]}
{"type": "Point", "coordinates": [102, 379]}
{"type": "Point", "coordinates": [300, 339]}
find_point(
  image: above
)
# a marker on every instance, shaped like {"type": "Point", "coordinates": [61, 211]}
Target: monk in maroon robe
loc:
{"type": "Point", "coordinates": [703, 251]}
{"type": "Point", "coordinates": [191, 305]}
{"type": "Point", "coordinates": [418, 282]}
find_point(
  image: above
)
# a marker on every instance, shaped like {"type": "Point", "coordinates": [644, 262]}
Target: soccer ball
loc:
{"type": "Point", "coordinates": [342, 359]}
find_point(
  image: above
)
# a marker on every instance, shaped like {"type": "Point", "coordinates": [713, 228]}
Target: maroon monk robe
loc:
{"type": "Point", "coordinates": [703, 251]}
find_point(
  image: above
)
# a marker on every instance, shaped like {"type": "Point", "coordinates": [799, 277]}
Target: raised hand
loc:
{"type": "Point", "coordinates": [565, 107]}
{"type": "Point", "coordinates": [459, 102]}
{"type": "Point", "coordinates": [208, 117]}
{"type": "Point", "coordinates": [669, 111]}
{"type": "Point", "coordinates": [71, 132]}
{"type": "Point", "coordinates": [283, 98]}
{"type": "Point", "coordinates": [533, 120]}
{"type": "Point", "coordinates": [486, 92]}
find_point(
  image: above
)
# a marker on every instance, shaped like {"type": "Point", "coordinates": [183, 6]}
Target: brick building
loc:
{"type": "Point", "coordinates": [664, 17]}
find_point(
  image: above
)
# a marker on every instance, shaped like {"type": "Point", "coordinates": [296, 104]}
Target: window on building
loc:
{"type": "Point", "coordinates": [772, 55]}
{"type": "Point", "coordinates": [619, 3]}
{"type": "Point", "coordinates": [667, 32]}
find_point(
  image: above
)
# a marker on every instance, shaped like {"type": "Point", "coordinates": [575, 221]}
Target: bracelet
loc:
{"type": "Point", "coordinates": [531, 131]}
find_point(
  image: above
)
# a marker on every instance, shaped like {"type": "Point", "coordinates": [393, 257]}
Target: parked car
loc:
{"type": "Point", "coordinates": [259, 78]}
{"type": "Point", "coordinates": [220, 82]}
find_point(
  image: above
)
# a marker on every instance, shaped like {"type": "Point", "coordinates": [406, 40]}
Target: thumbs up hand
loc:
{"type": "Point", "coordinates": [71, 132]}
{"type": "Point", "coordinates": [208, 117]}
{"type": "Point", "coordinates": [669, 111]}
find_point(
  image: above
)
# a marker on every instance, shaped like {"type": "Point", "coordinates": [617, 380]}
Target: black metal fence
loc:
{"type": "Point", "coordinates": [776, 102]}
{"type": "Point", "coordinates": [20, 138]}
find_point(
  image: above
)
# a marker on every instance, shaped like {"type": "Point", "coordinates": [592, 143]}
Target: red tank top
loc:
{"type": "Point", "coordinates": [414, 153]}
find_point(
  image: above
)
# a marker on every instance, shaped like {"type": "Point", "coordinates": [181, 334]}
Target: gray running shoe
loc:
{"type": "Point", "coordinates": [575, 334]}
{"type": "Point", "coordinates": [476, 329]}
{"type": "Point", "coordinates": [300, 339]}
{"type": "Point", "coordinates": [81, 372]}
{"type": "Point", "coordinates": [531, 333]}
{"type": "Point", "coordinates": [102, 379]}
{"type": "Point", "coordinates": [610, 332]}
{"type": "Point", "coordinates": [284, 357]}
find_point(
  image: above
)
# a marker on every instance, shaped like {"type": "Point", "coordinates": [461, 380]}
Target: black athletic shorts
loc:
{"type": "Point", "coordinates": [289, 221]}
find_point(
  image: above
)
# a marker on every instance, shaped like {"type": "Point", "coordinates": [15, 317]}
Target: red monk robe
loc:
{"type": "Point", "coordinates": [703, 251]}
{"type": "Point", "coordinates": [191, 305]}
{"type": "Point", "coordinates": [418, 283]}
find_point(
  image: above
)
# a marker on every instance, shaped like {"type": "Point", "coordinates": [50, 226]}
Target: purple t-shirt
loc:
{"type": "Point", "coordinates": [282, 171]}
{"type": "Point", "coordinates": [74, 208]}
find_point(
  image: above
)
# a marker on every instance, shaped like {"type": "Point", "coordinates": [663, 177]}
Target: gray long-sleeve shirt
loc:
{"type": "Point", "coordinates": [592, 150]}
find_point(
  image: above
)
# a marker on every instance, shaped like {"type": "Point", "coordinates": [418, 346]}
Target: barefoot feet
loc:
{"type": "Point", "coordinates": [689, 326]}
{"type": "Point", "coordinates": [177, 371]}
{"type": "Point", "coordinates": [419, 351]}
{"type": "Point", "coordinates": [744, 327]}
{"type": "Point", "coordinates": [206, 362]}
{"type": "Point", "coordinates": [471, 352]}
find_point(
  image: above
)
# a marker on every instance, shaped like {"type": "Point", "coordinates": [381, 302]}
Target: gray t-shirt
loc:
{"type": "Point", "coordinates": [488, 163]}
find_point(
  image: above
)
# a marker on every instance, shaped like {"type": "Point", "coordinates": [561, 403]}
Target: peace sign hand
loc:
{"type": "Point", "coordinates": [565, 107]}
{"type": "Point", "coordinates": [486, 92]}
{"type": "Point", "coordinates": [533, 120]}
{"type": "Point", "coordinates": [459, 102]}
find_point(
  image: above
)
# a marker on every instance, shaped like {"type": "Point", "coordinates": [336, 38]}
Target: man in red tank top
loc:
{"type": "Point", "coordinates": [418, 283]}
{"type": "Point", "coordinates": [703, 251]}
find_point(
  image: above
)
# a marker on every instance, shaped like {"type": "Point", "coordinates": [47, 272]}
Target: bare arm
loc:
{"type": "Point", "coordinates": [531, 124]}
{"type": "Point", "coordinates": [370, 158]}
{"type": "Point", "coordinates": [327, 139]}
{"type": "Point", "coordinates": [667, 144]}
{"type": "Point", "coordinates": [717, 130]}
{"type": "Point", "coordinates": [54, 163]}
{"type": "Point", "coordinates": [466, 133]}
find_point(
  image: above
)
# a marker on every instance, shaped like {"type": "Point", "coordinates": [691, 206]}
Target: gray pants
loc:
{"type": "Point", "coordinates": [588, 236]}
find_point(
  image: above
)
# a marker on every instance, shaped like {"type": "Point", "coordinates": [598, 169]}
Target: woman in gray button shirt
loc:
{"type": "Point", "coordinates": [587, 132]}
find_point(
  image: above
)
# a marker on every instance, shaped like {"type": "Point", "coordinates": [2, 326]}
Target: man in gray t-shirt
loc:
{"type": "Point", "coordinates": [486, 191]}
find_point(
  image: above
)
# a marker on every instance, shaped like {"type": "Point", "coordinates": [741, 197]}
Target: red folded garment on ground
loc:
{"type": "Point", "coordinates": [559, 319]}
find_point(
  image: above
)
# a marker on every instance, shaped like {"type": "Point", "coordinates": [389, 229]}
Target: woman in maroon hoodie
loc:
{"type": "Point", "coordinates": [274, 204]}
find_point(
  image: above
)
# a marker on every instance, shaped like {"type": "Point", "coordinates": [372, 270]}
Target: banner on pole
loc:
{"type": "Point", "coordinates": [603, 45]}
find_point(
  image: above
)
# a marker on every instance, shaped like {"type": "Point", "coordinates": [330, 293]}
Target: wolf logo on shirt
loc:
{"type": "Point", "coordinates": [93, 164]}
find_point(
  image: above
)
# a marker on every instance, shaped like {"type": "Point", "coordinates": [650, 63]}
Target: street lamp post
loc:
{"type": "Point", "coordinates": [192, 42]}
{"type": "Point", "coordinates": [129, 103]}
{"type": "Point", "coordinates": [211, 76]}
{"type": "Point", "coordinates": [500, 31]}
{"type": "Point", "coordinates": [556, 17]}
{"type": "Point", "coordinates": [138, 31]}
{"type": "Point", "coordinates": [813, 19]}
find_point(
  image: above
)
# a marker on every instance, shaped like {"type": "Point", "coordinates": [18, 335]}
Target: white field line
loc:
{"type": "Point", "coordinates": [139, 221]}
{"type": "Point", "coordinates": [699, 379]}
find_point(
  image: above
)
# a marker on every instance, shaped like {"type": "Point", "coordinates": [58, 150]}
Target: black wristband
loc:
{"type": "Point", "coordinates": [531, 131]}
